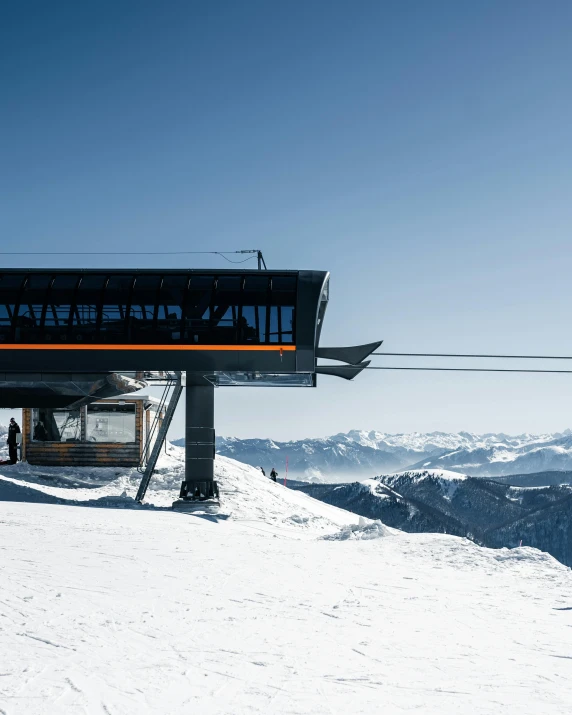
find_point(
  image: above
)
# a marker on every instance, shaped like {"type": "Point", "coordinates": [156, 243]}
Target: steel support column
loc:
{"type": "Point", "coordinates": [199, 481]}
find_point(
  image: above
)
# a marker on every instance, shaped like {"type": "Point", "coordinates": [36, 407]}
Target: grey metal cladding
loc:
{"type": "Point", "coordinates": [310, 287]}
{"type": "Point", "coordinates": [347, 372]}
{"type": "Point", "coordinates": [117, 360]}
{"type": "Point", "coordinates": [95, 310]}
{"type": "Point", "coordinates": [353, 354]}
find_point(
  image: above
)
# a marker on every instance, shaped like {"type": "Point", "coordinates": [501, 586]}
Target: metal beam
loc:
{"type": "Point", "coordinates": [347, 372]}
{"type": "Point", "coordinates": [151, 464]}
{"type": "Point", "coordinates": [353, 354]}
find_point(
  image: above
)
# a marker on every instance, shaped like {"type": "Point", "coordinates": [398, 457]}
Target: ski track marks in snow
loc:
{"type": "Point", "coordinates": [142, 610]}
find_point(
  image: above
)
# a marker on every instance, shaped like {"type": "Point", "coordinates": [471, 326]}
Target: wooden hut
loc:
{"type": "Point", "coordinates": [111, 432]}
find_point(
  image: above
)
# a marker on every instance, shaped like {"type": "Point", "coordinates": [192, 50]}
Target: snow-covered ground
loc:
{"type": "Point", "coordinates": [281, 604]}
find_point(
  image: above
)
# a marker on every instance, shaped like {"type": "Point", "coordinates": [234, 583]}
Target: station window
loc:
{"type": "Point", "coordinates": [58, 309]}
{"type": "Point", "coordinates": [284, 290]}
{"type": "Point", "coordinates": [114, 309]}
{"type": "Point", "coordinates": [254, 309]}
{"type": "Point", "coordinates": [142, 313]}
{"type": "Point", "coordinates": [323, 305]}
{"type": "Point", "coordinates": [225, 314]}
{"type": "Point", "coordinates": [282, 312]}
{"type": "Point", "coordinates": [197, 309]}
{"type": "Point", "coordinates": [110, 423]}
{"type": "Point", "coordinates": [143, 308]}
{"type": "Point", "coordinates": [170, 308]}
{"type": "Point", "coordinates": [86, 312]}
{"type": "Point", "coordinates": [286, 324]}
{"type": "Point", "coordinates": [32, 307]}
{"type": "Point", "coordinates": [56, 425]}
{"type": "Point", "coordinates": [10, 284]}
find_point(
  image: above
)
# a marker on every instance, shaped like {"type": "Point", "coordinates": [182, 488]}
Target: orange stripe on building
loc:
{"type": "Point", "coordinates": [184, 348]}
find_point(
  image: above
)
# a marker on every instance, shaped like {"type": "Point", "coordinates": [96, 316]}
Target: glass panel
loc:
{"type": "Point", "coordinates": [284, 290]}
{"type": "Point", "coordinates": [142, 312]}
{"type": "Point", "coordinates": [281, 324]}
{"type": "Point", "coordinates": [60, 299]}
{"type": "Point", "coordinates": [323, 305]}
{"type": "Point", "coordinates": [86, 312]}
{"type": "Point", "coordinates": [255, 290]}
{"type": "Point", "coordinates": [282, 318]}
{"type": "Point", "coordinates": [274, 332]}
{"type": "Point", "coordinates": [56, 425]}
{"type": "Point", "coordinates": [10, 284]}
{"type": "Point", "coordinates": [114, 309]}
{"type": "Point", "coordinates": [228, 379]}
{"type": "Point", "coordinates": [287, 324]}
{"type": "Point", "coordinates": [261, 317]}
{"type": "Point", "coordinates": [252, 324]}
{"type": "Point", "coordinates": [197, 311]}
{"type": "Point", "coordinates": [170, 311]}
{"type": "Point", "coordinates": [224, 317]}
{"type": "Point", "coordinates": [110, 423]}
{"type": "Point", "coordinates": [6, 313]}
{"type": "Point", "coordinates": [254, 301]}
{"type": "Point", "coordinates": [32, 307]}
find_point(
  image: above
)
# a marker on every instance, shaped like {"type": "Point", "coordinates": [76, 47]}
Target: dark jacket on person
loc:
{"type": "Point", "coordinates": [40, 434]}
{"type": "Point", "coordinates": [273, 474]}
{"type": "Point", "coordinates": [13, 430]}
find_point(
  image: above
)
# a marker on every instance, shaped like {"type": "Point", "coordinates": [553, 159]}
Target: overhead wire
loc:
{"type": "Point", "coordinates": [223, 254]}
{"type": "Point", "coordinates": [465, 369]}
{"type": "Point", "coordinates": [467, 355]}
{"type": "Point", "coordinates": [250, 258]}
{"type": "Point", "coordinates": [472, 369]}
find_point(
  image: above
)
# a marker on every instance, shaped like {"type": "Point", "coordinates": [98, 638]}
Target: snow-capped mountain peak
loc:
{"type": "Point", "coordinates": [359, 454]}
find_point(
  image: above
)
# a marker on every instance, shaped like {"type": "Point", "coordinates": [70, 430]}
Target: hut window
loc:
{"type": "Point", "coordinates": [56, 425]}
{"type": "Point", "coordinates": [110, 423]}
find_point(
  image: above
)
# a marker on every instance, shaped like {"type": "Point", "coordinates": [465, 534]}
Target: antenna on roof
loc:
{"type": "Point", "coordinates": [261, 261]}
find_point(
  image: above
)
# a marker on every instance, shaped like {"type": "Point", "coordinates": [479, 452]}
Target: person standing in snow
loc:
{"type": "Point", "coordinates": [273, 474]}
{"type": "Point", "coordinates": [13, 430]}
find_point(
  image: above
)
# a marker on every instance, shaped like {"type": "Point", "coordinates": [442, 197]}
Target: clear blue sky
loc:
{"type": "Point", "coordinates": [420, 151]}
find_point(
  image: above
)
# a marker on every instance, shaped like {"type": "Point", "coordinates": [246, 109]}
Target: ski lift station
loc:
{"type": "Point", "coordinates": [76, 344]}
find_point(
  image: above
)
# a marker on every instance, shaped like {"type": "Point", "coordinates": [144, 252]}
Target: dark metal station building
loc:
{"type": "Point", "coordinates": [71, 337]}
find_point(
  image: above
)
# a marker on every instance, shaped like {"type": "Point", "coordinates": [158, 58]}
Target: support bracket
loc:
{"type": "Point", "coordinates": [152, 463]}
{"type": "Point", "coordinates": [352, 355]}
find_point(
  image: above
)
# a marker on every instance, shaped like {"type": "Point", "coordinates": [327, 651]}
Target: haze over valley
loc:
{"type": "Point", "coordinates": [361, 454]}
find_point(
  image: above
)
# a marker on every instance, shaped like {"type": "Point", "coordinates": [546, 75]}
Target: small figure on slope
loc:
{"type": "Point", "coordinates": [273, 474]}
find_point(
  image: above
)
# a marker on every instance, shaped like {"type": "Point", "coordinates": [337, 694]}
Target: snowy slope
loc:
{"type": "Point", "coordinates": [248, 495]}
{"type": "Point", "coordinates": [484, 510]}
{"type": "Point", "coordinates": [142, 610]}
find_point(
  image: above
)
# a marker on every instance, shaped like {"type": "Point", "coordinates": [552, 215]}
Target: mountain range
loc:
{"type": "Point", "coordinates": [489, 512]}
{"type": "Point", "coordinates": [360, 454]}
